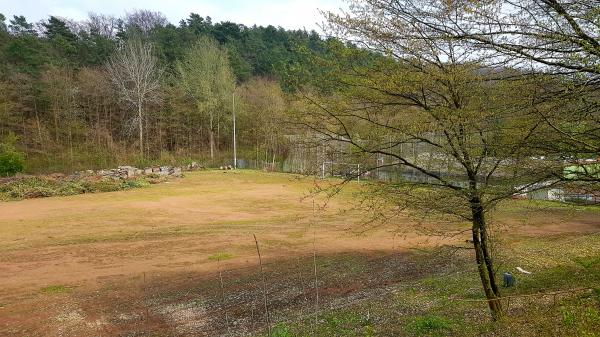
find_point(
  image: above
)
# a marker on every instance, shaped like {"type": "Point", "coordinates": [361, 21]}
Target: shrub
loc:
{"type": "Point", "coordinates": [11, 160]}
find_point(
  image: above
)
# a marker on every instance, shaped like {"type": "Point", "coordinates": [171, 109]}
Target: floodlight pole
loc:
{"type": "Point", "coordinates": [234, 142]}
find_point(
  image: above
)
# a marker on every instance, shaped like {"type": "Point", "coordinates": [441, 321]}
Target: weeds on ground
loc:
{"type": "Point", "coordinates": [430, 325]}
{"type": "Point", "coordinates": [39, 187]}
{"type": "Point", "coordinates": [221, 256]}
{"type": "Point", "coordinates": [338, 323]}
{"type": "Point", "coordinates": [56, 289]}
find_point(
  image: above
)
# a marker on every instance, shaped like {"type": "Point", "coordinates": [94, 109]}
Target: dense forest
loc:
{"type": "Point", "coordinates": [65, 99]}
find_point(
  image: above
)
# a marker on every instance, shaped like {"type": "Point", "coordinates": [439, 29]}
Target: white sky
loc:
{"type": "Point", "coordinates": [290, 14]}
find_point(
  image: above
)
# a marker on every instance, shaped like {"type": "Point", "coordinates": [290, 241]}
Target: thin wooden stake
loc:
{"type": "Point", "coordinates": [315, 268]}
{"type": "Point", "coordinates": [146, 293]}
{"type": "Point", "coordinates": [301, 280]}
{"type": "Point", "coordinates": [223, 302]}
{"type": "Point", "coordinates": [302, 286]}
{"type": "Point", "coordinates": [252, 314]}
{"type": "Point", "coordinates": [264, 285]}
{"type": "Point", "coordinates": [316, 287]}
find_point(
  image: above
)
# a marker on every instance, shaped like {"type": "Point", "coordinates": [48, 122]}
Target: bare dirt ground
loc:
{"type": "Point", "coordinates": [147, 261]}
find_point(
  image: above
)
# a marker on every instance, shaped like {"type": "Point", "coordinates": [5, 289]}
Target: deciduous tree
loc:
{"type": "Point", "coordinates": [136, 75]}
{"type": "Point", "coordinates": [208, 80]}
{"type": "Point", "coordinates": [436, 112]}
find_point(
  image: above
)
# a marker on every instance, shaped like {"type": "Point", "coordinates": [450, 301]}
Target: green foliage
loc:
{"type": "Point", "coordinates": [582, 318]}
{"type": "Point", "coordinates": [134, 183]}
{"type": "Point", "coordinates": [11, 160]}
{"type": "Point", "coordinates": [11, 163]}
{"type": "Point", "coordinates": [587, 261]}
{"type": "Point", "coordinates": [430, 325]}
{"type": "Point", "coordinates": [596, 292]}
{"type": "Point", "coordinates": [345, 324]}
{"type": "Point", "coordinates": [25, 53]}
{"type": "Point", "coordinates": [19, 26]}
{"type": "Point", "coordinates": [3, 26]}
{"type": "Point", "coordinates": [568, 317]}
{"type": "Point", "coordinates": [206, 75]}
{"type": "Point", "coordinates": [281, 330]}
{"type": "Point", "coordinates": [63, 41]}
{"type": "Point", "coordinates": [339, 323]}
{"type": "Point", "coordinates": [55, 289]}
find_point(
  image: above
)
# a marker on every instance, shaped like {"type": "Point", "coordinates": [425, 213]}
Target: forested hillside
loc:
{"type": "Point", "coordinates": [64, 102]}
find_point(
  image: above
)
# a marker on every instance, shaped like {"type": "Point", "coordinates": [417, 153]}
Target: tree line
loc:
{"type": "Point", "coordinates": [72, 94]}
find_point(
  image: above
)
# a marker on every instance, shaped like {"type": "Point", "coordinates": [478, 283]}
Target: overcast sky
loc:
{"type": "Point", "coordinates": [291, 14]}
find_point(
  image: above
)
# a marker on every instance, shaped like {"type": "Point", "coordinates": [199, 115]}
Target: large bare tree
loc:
{"type": "Point", "coordinates": [145, 20]}
{"type": "Point", "coordinates": [433, 109]}
{"type": "Point", "coordinates": [136, 75]}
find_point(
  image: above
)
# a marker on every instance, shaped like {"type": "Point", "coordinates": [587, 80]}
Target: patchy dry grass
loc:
{"type": "Point", "coordinates": [146, 262]}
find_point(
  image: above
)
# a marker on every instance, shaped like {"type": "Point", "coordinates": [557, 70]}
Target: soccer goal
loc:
{"type": "Point", "coordinates": [340, 170]}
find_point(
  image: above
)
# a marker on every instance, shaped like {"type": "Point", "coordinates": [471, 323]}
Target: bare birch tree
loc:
{"type": "Point", "coordinates": [135, 74]}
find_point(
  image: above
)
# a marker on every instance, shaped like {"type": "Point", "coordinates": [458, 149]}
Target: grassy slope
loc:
{"type": "Point", "coordinates": [448, 302]}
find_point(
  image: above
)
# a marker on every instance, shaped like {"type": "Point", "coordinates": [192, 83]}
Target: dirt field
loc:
{"type": "Point", "coordinates": [137, 262]}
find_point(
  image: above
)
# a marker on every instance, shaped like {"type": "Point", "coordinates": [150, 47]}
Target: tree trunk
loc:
{"type": "Point", "coordinates": [484, 260]}
{"type": "Point", "coordinates": [273, 161]}
{"type": "Point", "coordinates": [141, 129]}
{"type": "Point", "coordinates": [147, 128]}
{"type": "Point", "coordinates": [71, 156]}
{"type": "Point", "coordinates": [212, 138]}
{"type": "Point", "coordinates": [39, 126]}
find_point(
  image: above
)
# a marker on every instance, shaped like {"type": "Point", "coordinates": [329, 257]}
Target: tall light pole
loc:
{"type": "Point", "coordinates": [234, 143]}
